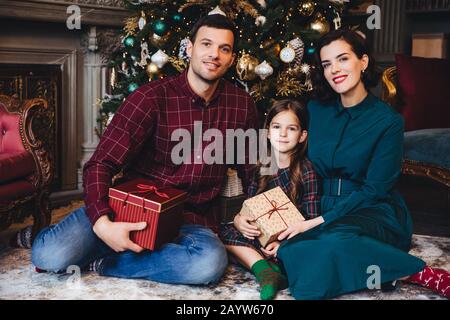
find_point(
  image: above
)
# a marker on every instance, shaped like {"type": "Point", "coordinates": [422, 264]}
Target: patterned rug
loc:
{"type": "Point", "coordinates": [18, 280]}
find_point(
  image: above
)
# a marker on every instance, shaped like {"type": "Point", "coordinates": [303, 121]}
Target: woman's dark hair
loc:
{"type": "Point", "coordinates": [370, 77]}
{"type": "Point", "coordinates": [217, 21]}
{"type": "Point", "coordinates": [298, 154]}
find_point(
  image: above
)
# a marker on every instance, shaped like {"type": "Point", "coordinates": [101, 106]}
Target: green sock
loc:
{"type": "Point", "coordinates": [269, 280]}
{"type": "Point", "coordinates": [275, 266]}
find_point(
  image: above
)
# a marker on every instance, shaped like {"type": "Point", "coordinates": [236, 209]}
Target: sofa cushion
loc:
{"type": "Point", "coordinates": [428, 145]}
{"type": "Point", "coordinates": [15, 190]}
{"type": "Point", "coordinates": [14, 165]}
{"type": "Point", "coordinates": [10, 140]}
{"type": "Point", "coordinates": [423, 85]}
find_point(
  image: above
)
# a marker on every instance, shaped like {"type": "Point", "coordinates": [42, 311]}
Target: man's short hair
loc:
{"type": "Point", "coordinates": [217, 21]}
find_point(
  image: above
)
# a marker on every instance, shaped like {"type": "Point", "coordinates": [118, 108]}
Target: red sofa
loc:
{"type": "Point", "coordinates": [26, 169]}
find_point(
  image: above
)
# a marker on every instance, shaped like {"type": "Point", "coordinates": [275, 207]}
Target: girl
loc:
{"type": "Point", "coordinates": [356, 145]}
{"type": "Point", "coordinates": [287, 124]}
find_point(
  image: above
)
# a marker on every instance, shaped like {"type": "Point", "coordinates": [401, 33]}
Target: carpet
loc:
{"type": "Point", "coordinates": [19, 281]}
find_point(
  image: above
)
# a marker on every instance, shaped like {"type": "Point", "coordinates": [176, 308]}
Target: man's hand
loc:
{"type": "Point", "coordinates": [117, 234]}
{"type": "Point", "coordinates": [248, 230]}
{"type": "Point", "coordinates": [271, 249]}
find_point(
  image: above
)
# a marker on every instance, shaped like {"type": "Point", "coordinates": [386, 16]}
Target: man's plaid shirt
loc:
{"type": "Point", "coordinates": [138, 140]}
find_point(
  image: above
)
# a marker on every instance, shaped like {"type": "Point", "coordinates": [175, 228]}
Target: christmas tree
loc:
{"type": "Point", "coordinates": [274, 52]}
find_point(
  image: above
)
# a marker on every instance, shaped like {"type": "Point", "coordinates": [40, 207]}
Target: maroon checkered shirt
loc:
{"type": "Point", "coordinates": [138, 140]}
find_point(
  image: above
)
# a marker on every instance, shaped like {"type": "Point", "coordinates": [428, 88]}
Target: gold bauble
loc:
{"type": "Point", "coordinates": [277, 49]}
{"type": "Point", "coordinates": [151, 69]}
{"type": "Point", "coordinates": [320, 24]}
{"type": "Point", "coordinates": [245, 67]}
{"type": "Point", "coordinates": [270, 47]}
{"type": "Point", "coordinates": [158, 41]}
{"type": "Point", "coordinates": [307, 8]}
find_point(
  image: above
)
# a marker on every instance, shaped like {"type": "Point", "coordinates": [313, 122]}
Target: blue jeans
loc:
{"type": "Point", "coordinates": [196, 256]}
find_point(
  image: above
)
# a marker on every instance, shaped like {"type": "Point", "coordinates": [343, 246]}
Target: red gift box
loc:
{"type": "Point", "coordinates": [141, 200]}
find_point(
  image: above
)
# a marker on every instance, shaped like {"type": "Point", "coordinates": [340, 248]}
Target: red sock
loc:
{"type": "Point", "coordinates": [39, 270]}
{"type": "Point", "coordinates": [435, 279]}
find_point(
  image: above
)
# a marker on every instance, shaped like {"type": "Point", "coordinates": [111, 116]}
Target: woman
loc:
{"type": "Point", "coordinates": [355, 144]}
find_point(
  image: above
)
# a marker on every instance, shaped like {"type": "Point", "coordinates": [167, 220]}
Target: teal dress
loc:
{"type": "Point", "coordinates": [367, 231]}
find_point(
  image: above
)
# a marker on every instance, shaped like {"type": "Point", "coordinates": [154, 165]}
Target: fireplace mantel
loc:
{"type": "Point", "coordinates": [94, 12]}
{"type": "Point", "coordinates": [35, 32]}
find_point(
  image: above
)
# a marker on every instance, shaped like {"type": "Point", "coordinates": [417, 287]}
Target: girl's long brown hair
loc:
{"type": "Point", "coordinates": [298, 154]}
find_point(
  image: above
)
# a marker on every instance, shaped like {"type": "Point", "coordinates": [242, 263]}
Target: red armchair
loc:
{"type": "Point", "coordinates": [26, 169]}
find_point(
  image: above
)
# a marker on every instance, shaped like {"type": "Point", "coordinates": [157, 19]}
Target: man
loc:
{"type": "Point", "coordinates": [138, 141]}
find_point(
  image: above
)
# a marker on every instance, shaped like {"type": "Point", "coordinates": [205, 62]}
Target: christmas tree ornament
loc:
{"type": "Point", "coordinates": [258, 90]}
{"type": "Point", "coordinates": [260, 20]}
{"type": "Point", "coordinates": [337, 22]}
{"type": "Point", "coordinates": [311, 50]}
{"type": "Point", "coordinates": [288, 86]}
{"type": "Point", "coordinates": [270, 47]}
{"type": "Point", "coordinates": [245, 67]}
{"type": "Point", "coordinates": [262, 3]}
{"type": "Point", "coordinates": [151, 69]}
{"type": "Point", "coordinates": [142, 21]}
{"type": "Point", "coordinates": [124, 66]}
{"type": "Point", "coordinates": [320, 24]}
{"type": "Point", "coordinates": [129, 41]}
{"type": "Point", "coordinates": [287, 54]}
{"type": "Point", "coordinates": [177, 18]}
{"type": "Point", "coordinates": [182, 54]}
{"type": "Point", "coordinates": [160, 28]}
{"type": "Point", "coordinates": [113, 78]}
{"type": "Point", "coordinates": [299, 48]}
{"type": "Point", "coordinates": [131, 24]}
{"type": "Point", "coordinates": [132, 86]}
{"type": "Point", "coordinates": [308, 85]}
{"type": "Point", "coordinates": [217, 10]}
{"type": "Point", "coordinates": [160, 58]}
{"type": "Point", "coordinates": [306, 8]}
{"type": "Point", "coordinates": [264, 70]}
{"type": "Point", "coordinates": [267, 44]}
{"type": "Point", "coordinates": [158, 41]}
{"type": "Point", "coordinates": [144, 54]}
{"type": "Point", "coordinates": [305, 68]}
{"type": "Point", "coordinates": [276, 49]}
{"type": "Point", "coordinates": [178, 63]}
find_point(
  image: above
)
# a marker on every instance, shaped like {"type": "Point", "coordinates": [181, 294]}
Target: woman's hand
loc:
{"type": "Point", "coordinates": [242, 223]}
{"type": "Point", "coordinates": [300, 227]}
{"type": "Point", "coordinates": [271, 249]}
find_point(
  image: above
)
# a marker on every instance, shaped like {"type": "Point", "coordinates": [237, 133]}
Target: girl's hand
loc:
{"type": "Point", "coordinates": [271, 249]}
{"type": "Point", "coordinates": [242, 223]}
{"type": "Point", "coordinates": [300, 227]}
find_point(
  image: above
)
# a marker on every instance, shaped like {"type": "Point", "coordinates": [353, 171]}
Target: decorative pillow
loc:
{"type": "Point", "coordinates": [431, 146]}
{"type": "Point", "coordinates": [424, 88]}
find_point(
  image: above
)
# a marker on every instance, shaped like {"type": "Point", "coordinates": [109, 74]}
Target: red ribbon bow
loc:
{"type": "Point", "coordinates": [275, 208]}
{"type": "Point", "coordinates": [145, 188]}
{"type": "Point", "coordinates": [148, 188]}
